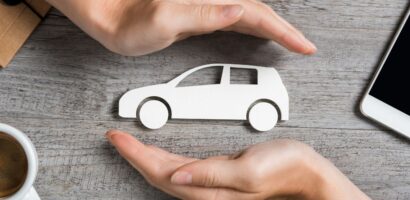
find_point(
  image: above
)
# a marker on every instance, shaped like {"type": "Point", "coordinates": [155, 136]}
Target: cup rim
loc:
{"type": "Point", "coordinates": [31, 156]}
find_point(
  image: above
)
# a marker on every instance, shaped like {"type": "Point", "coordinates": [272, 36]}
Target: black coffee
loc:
{"type": "Point", "coordinates": [13, 165]}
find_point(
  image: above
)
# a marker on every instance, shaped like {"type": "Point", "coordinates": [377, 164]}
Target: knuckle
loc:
{"type": "Point", "coordinates": [295, 150]}
{"type": "Point", "coordinates": [104, 18]}
{"type": "Point", "coordinates": [251, 183]}
{"type": "Point", "coordinates": [108, 23]}
{"type": "Point", "coordinates": [204, 14]}
{"type": "Point", "coordinates": [158, 10]}
{"type": "Point", "coordinates": [154, 177]}
{"type": "Point", "coordinates": [161, 14]}
{"type": "Point", "coordinates": [121, 44]}
{"type": "Point", "coordinates": [210, 178]}
{"type": "Point", "coordinates": [203, 11]}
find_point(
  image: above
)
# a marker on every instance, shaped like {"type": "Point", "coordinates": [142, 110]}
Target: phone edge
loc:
{"type": "Point", "coordinates": [376, 75]}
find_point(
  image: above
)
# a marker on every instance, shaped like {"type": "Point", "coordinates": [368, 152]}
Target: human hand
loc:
{"type": "Point", "coordinates": [279, 168]}
{"type": "Point", "coordinates": [138, 27]}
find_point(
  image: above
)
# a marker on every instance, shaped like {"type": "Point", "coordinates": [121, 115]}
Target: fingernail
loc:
{"type": "Point", "coordinates": [181, 178]}
{"type": "Point", "coordinates": [312, 47]}
{"type": "Point", "coordinates": [300, 44]}
{"type": "Point", "coordinates": [232, 11]}
{"type": "Point", "coordinates": [111, 135]}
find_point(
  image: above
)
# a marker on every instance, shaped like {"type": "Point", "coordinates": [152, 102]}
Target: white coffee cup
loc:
{"type": "Point", "coordinates": [27, 191]}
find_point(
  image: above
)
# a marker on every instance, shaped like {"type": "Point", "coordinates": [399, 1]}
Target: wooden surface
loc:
{"type": "Point", "coordinates": [62, 90]}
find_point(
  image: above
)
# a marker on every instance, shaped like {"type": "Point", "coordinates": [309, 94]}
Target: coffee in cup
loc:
{"type": "Point", "coordinates": [18, 165]}
{"type": "Point", "coordinates": [13, 165]}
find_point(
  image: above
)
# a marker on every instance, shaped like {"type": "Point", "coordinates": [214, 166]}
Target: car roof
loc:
{"type": "Point", "coordinates": [261, 70]}
{"type": "Point", "coordinates": [234, 66]}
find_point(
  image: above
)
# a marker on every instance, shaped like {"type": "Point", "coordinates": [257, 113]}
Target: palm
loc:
{"type": "Point", "coordinates": [279, 168]}
{"type": "Point", "coordinates": [157, 166]}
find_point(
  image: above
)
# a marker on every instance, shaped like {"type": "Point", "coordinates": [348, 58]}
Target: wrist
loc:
{"type": "Point", "coordinates": [315, 178]}
{"type": "Point", "coordinates": [303, 179]}
{"type": "Point", "coordinates": [330, 183]}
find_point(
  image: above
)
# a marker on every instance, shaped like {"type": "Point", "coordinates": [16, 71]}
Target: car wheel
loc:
{"type": "Point", "coordinates": [263, 116]}
{"type": "Point", "coordinates": [153, 114]}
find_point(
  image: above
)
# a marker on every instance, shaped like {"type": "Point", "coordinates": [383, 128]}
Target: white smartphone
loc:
{"type": "Point", "coordinates": [387, 100]}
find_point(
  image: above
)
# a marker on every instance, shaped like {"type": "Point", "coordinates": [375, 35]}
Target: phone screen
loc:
{"type": "Point", "coordinates": [392, 85]}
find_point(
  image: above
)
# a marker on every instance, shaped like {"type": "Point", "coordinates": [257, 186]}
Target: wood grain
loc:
{"type": "Point", "coordinates": [62, 89]}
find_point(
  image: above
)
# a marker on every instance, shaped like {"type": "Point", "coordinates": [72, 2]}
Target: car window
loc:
{"type": "Point", "coordinates": [206, 76]}
{"type": "Point", "coordinates": [244, 76]}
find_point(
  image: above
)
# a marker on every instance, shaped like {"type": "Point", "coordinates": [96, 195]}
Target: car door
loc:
{"type": "Point", "coordinates": [241, 91]}
{"type": "Point", "coordinates": [198, 95]}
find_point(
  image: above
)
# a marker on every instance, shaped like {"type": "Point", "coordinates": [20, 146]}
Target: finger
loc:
{"type": "Point", "coordinates": [197, 19]}
{"type": "Point", "coordinates": [273, 27]}
{"type": "Point", "coordinates": [167, 155]}
{"type": "Point", "coordinates": [146, 158]}
{"type": "Point", "coordinates": [136, 153]}
{"type": "Point", "coordinates": [148, 161]}
{"type": "Point", "coordinates": [212, 173]}
{"type": "Point", "coordinates": [203, 193]}
{"type": "Point", "coordinates": [261, 21]}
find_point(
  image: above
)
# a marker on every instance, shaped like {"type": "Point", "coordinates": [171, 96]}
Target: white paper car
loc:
{"type": "Point", "coordinates": [263, 103]}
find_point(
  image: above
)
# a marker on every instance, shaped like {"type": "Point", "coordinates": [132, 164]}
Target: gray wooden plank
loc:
{"type": "Point", "coordinates": [76, 161]}
{"type": "Point", "coordinates": [98, 77]}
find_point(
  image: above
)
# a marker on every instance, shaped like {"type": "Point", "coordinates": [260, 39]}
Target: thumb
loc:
{"type": "Point", "coordinates": [207, 18]}
{"type": "Point", "coordinates": [211, 173]}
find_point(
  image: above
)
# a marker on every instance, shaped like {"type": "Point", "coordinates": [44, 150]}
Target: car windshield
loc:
{"type": "Point", "coordinates": [205, 76]}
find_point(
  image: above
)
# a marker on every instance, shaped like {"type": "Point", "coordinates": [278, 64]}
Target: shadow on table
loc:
{"type": "Point", "coordinates": [228, 47]}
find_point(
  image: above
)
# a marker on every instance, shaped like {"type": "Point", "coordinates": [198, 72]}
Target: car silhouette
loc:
{"type": "Point", "coordinates": [262, 103]}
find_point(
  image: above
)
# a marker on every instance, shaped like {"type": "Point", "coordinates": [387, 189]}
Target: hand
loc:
{"type": "Point", "coordinates": [137, 27]}
{"type": "Point", "coordinates": [280, 168]}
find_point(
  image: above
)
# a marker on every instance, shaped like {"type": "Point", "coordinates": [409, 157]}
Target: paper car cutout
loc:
{"type": "Point", "coordinates": [263, 103]}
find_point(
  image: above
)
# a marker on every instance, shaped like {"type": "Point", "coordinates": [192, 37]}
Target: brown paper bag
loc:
{"type": "Point", "coordinates": [16, 25]}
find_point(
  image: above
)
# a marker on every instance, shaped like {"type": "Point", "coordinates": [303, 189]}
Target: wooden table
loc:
{"type": "Point", "coordinates": [63, 87]}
